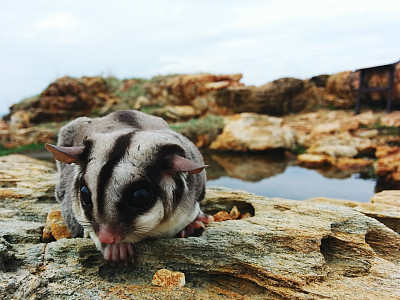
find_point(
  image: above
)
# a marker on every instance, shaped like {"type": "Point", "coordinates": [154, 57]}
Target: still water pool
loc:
{"type": "Point", "coordinates": [279, 176]}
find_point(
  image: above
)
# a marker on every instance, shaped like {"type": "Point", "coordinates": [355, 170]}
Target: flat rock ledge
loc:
{"type": "Point", "coordinates": [315, 249]}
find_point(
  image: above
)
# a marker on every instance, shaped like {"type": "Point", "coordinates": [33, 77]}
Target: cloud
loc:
{"type": "Point", "coordinates": [54, 23]}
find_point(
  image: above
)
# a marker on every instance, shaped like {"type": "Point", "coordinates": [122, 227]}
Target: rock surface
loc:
{"type": "Point", "coordinates": [326, 249]}
{"type": "Point", "coordinates": [254, 132]}
{"type": "Point", "coordinates": [67, 98]}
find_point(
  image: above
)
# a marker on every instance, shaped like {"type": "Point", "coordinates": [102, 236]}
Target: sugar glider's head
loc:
{"type": "Point", "coordinates": [133, 184]}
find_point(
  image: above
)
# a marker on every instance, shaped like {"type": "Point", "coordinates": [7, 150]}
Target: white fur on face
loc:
{"type": "Point", "coordinates": [178, 220]}
{"type": "Point", "coordinates": [146, 224]}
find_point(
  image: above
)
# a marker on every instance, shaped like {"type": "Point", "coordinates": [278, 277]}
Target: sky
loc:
{"type": "Point", "coordinates": [264, 40]}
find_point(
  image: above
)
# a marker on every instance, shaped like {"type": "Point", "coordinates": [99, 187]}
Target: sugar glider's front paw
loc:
{"type": "Point", "coordinates": [119, 253]}
{"type": "Point", "coordinates": [196, 227]}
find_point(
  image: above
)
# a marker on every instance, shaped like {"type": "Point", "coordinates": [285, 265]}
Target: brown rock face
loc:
{"type": "Point", "coordinates": [342, 89]}
{"type": "Point", "coordinates": [279, 97]}
{"type": "Point", "coordinates": [389, 197]}
{"type": "Point", "coordinates": [67, 98]}
{"type": "Point", "coordinates": [183, 89]}
{"type": "Point", "coordinates": [388, 165]}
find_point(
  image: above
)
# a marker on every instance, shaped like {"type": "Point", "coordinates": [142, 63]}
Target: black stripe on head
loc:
{"type": "Point", "coordinates": [117, 152]}
{"type": "Point", "coordinates": [84, 157]}
{"type": "Point", "coordinates": [161, 166]}
{"type": "Point", "coordinates": [126, 117]}
{"type": "Point", "coordinates": [88, 144]}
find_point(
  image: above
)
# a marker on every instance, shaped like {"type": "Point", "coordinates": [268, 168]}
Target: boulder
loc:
{"type": "Point", "coordinates": [391, 120]}
{"type": "Point", "coordinates": [26, 136]}
{"type": "Point", "coordinates": [387, 167]}
{"type": "Point", "coordinates": [342, 145]}
{"type": "Point", "coordinates": [67, 98]}
{"type": "Point", "coordinates": [253, 132]}
{"type": "Point", "coordinates": [286, 249]}
{"type": "Point", "coordinates": [342, 88]}
{"type": "Point", "coordinates": [20, 119]}
{"type": "Point", "coordinates": [389, 197]}
{"type": "Point", "coordinates": [183, 89]}
{"type": "Point", "coordinates": [279, 97]}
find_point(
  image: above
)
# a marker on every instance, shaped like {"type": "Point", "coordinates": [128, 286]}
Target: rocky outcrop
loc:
{"type": "Point", "coordinates": [184, 89]}
{"type": "Point", "coordinates": [253, 132]}
{"type": "Point", "coordinates": [19, 133]}
{"type": "Point", "coordinates": [67, 98]}
{"type": "Point", "coordinates": [325, 249]}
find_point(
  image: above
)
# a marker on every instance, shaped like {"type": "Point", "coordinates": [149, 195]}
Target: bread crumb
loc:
{"type": "Point", "coordinates": [222, 216]}
{"type": "Point", "coordinates": [167, 278]}
{"type": "Point", "coordinates": [234, 213]}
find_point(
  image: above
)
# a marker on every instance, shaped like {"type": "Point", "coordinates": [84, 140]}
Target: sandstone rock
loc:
{"type": "Point", "coordinates": [368, 134]}
{"type": "Point", "coordinates": [342, 89]}
{"type": "Point", "coordinates": [67, 98]}
{"type": "Point", "coordinates": [348, 163]}
{"type": "Point", "coordinates": [390, 197]}
{"type": "Point", "coordinates": [183, 89]}
{"type": "Point", "coordinates": [25, 177]}
{"type": "Point", "coordinates": [286, 250]}
{"type": "Point", "coordinates": [391, 120]}
{"type": "Point", "coordinates": [20, 119]}
{"type": "Point", "coordinates": [279, 96]}
{"type": "Point", "coordinates": [314, 160]}
{"type": "Point", "coordinates": [188, 87]}
{"type": "Point", "coordinates": [383, 212]}
{"type": "Point", "coordinates": [4, 126]}
{"type": "Point", "coordinates": [342, 144]}
{"type": "Point", "coordinates": [177, 113]}
{"type": "Point", "coordinates": [382, 151]}
{"type": "Point", "coordinates": [167, 278]}
{"type": "Point", "coordinates": [252, 132]}
{"type": "Point", "coordinates": [27, 136]}
{"type": "Point", "coordinates": [388, 166]}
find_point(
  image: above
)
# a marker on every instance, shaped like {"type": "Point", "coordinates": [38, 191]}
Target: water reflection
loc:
{"type": "Point", "coordinates": [247, 167]}
{"type": "Point", "coordinates": [277, 175]}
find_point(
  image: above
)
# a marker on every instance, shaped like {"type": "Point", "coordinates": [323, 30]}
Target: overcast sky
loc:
{"type": "Point", "coordinates": [264, 40]}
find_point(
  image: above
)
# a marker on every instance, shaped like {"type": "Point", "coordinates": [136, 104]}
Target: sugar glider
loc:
{"type": "Point", "coordinates": [126, 177]}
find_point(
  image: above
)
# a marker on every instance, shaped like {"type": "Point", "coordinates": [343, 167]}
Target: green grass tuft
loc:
{"type": "Point", "coordinates": [6, 151]}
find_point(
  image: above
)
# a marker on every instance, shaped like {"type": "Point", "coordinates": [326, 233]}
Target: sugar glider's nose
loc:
{"type": "Point", "coordinates": [109, 235]}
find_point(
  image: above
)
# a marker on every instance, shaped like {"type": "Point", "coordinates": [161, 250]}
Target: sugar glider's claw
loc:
{"type": "Point", "coordinates": [119, 253]}
{"type": "Point", "coordinates": [196, 228]}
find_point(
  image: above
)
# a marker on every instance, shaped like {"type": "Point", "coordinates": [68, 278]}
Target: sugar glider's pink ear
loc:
{"type": "Point", "coordinates": [181, 164]}
{"type": "Point", "coordinates": [68, 155]}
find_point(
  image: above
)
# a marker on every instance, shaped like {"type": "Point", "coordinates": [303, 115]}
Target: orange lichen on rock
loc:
{"type": "Point", "coordinates": [167, 278]}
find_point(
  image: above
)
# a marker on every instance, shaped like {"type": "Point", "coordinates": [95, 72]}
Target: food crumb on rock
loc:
{"type": "Point", "coordinates": [222, 216]}
{"type": "Point", "coordinates": [167, 278]}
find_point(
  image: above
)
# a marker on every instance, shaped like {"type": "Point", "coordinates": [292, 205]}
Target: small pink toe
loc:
{"type": "Point", "coordinates": [196, 227]}
{"type": "Point", "coordinates": [119, 253]}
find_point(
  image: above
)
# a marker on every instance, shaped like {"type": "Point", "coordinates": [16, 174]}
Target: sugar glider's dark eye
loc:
{"type": "Point", "coordinates": [86, 197]}
{"type": "Point", "coordinates": [140, 198]}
